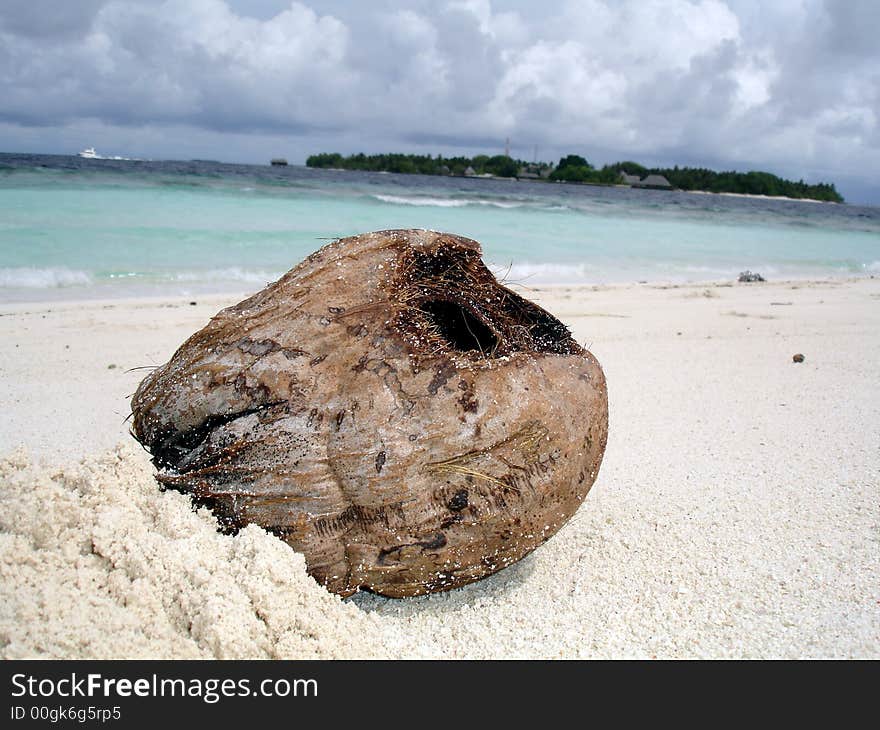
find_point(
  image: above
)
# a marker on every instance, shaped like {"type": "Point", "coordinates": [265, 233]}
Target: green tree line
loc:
{"type": "Point", "coordinates": [498, 165]}
{"type": "Point", "coordinates": [574, 168]}
{"type": "Point", "coordinates": [752, 183]}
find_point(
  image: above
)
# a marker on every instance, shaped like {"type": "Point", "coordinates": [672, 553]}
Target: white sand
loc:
{"type": "Point", "coordinates": [737, 512]}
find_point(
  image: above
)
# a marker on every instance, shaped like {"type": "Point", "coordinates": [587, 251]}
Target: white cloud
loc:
{"type": "Point", "coordinates": [794, 83]}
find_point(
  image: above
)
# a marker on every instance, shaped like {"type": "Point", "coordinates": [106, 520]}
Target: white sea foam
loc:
{"type": "Point", "coordinates": [231, 273]}
{"type": "Point", "coordinates": [523, 273]}
{"type": "Point", "coordinates": [433, 202]}
{"type": "Point", "coordinates": [695, 272]}
{"type": "Point", "coordinates": [444, 202]}
{"type": "Point", "coordinates": [28, 277]}
{"type": "Point", "coordinates": [608, 270]}
{"type": "Point", "coordinates": [125, 275]}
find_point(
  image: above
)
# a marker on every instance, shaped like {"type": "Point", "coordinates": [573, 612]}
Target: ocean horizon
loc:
{"type": "Point", "coordinates": [74, 228]}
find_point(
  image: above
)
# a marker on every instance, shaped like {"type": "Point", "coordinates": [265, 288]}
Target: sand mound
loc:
{"type": "Point", "coordinates": [96, 562]}
{"type": "Point", "coordinates": [736, 513]}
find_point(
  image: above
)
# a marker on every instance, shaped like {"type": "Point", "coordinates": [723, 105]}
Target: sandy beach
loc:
{"type": "Point", "coordinates": [736, 513]}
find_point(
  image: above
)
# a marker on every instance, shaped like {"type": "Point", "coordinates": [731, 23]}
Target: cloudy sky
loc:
{"type": "Point", "coordinates": [790, 86]}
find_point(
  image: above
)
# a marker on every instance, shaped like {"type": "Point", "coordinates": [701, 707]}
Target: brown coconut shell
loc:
{"type": "Point", "coordinates": [388, 409]}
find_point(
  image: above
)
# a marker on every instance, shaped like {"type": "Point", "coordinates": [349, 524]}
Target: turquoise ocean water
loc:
{"type": "Point", "coordinates": [73, 228]}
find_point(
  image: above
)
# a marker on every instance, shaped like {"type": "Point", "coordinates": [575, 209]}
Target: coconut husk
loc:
{"type": "Point", "coordinates": [388, 409]}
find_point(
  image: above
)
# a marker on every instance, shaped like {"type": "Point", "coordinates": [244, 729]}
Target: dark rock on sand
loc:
{"type": "Point", "coordinates": [750, 276]}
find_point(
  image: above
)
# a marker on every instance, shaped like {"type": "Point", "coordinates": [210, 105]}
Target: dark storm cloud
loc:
{"type": "Point", "coordinates": [47, 19]}
{"type": "Point", "coordinates": [792, 85]}
{"type": "Point", "coordinates": [446, 140]}
{"type": "Point", "coordinates": [853, 28]}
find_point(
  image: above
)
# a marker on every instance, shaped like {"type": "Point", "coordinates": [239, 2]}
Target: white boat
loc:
{"type": "Point", "coordinates": [89, 153]}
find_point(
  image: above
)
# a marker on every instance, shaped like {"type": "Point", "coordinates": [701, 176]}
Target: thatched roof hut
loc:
{"type": "Point", "coordinates": [657, 182]}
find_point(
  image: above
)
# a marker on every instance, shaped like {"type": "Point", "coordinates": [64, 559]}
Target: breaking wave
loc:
{"type": "Point", "coordinates": [28, 277]}
{"type": "Point", "coordinates": [543, 273]}
{"type": "Point", "coordinates": [232, 273]}
{"type": "Point", "coordinates": [423, 200]}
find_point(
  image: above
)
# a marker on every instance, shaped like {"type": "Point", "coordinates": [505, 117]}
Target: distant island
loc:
{"type": "Point", "coordinates": [576, 169]}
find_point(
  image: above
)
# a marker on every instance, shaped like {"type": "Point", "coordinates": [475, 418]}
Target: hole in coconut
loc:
{"type": "Point", "coordinates": [461, 329]}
